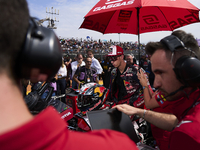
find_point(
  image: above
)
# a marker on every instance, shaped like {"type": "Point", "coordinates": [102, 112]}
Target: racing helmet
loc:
{"type": "Point", "coordinates": [91, 96]}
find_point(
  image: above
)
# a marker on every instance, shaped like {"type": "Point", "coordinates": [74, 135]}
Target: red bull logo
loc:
{"type": "Point", "coordinates": [99, 90]}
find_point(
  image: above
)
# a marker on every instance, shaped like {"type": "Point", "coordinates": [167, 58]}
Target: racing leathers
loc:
{"type": "Point", "coordinates": [125, 87]}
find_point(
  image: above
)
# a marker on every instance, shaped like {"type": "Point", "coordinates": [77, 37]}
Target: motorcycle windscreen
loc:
{"type": "Point", "coordinates": [114, 120]}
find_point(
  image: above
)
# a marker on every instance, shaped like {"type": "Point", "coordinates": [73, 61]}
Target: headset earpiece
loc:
{"type": "Point", "coordinates": [41, 53]}
{"type": "Point", "coordinates": [187, 70]}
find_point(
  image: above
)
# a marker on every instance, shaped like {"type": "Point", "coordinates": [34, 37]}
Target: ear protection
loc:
{"type": "Point", "coordinates": [41, 51]}
{"type": "Point", "coordinates": [187, 68]}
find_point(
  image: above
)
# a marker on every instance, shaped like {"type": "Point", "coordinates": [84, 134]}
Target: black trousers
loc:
{"type": "Point", "coordinates": [61, 87]}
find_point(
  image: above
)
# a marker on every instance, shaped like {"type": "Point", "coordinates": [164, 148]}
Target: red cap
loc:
{"type": "Point", "coordinates": [116, 50]}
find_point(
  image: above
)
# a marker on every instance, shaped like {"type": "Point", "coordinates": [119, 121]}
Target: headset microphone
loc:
{"type": "Point", "coordinates": [173, 93]}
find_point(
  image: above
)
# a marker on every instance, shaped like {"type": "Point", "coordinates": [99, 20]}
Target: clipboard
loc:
{"type": "Point", "coordinates": [114, 120]}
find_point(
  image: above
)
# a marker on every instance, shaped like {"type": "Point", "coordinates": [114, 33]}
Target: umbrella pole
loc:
{"type": "Point", "coordinates": [138, 24]}
{"type": "Point", "coordinates": [119, 37]}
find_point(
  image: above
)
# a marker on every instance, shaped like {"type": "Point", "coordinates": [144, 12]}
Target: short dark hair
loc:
{"type": "Point", "coordinates": [90, 51]}
{"type": "Point", "coordinates": [14, 20]}
{"type": "Point", "coordinates": [151, 47]}
{"type": "Point", "coordinates": [79, 54]}
{"type": "Point", "coordinates": [188, 40]}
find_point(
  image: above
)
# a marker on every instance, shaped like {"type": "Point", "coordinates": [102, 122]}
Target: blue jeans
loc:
{"type": "Point", "coordinates": [61, 87]}
{"type": "Point", "coordinates": [74, 84]}
{"type": "Point", "coordinates": [44, 95]}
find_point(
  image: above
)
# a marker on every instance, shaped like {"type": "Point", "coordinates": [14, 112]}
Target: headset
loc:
{"type": "Point", "coordinates": [41, 50]}
{"type": "Point", "coordinates": [187, 68]}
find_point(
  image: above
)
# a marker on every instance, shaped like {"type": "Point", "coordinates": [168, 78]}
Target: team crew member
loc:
{"type": "Point", "coordinates": [176, 65]}
{"type": "Point", "coordinates": [152, 100]}
{"type": "Point", "coordinates": [124, 84]}
{"type": "Point", "coordinates": [19, 130]}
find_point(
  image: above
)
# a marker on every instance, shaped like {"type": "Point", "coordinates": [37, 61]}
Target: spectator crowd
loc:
{"type": "Point", "coordinates": [72, 45]}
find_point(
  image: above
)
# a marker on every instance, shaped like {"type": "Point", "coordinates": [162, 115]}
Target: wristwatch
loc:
{"type": "Point", "coordinates": [144, 87]}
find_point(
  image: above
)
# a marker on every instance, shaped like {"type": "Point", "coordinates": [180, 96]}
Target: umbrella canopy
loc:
{"type": "Point", "coordinates": [140, 16]}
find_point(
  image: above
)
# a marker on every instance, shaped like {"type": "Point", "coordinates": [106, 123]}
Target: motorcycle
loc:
{"type": "Point", "coordinates": [93, 96]}
{"type": "Point", "coordinates": [36, 104]}
{"type": "Point", "coordinates": [89, 97]}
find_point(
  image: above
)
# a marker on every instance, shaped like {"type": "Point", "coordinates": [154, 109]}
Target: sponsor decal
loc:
{"type": "Point", "coordinates": [124, 16]}
{"type": "Point", "coordinates": [191, 18]}
{"type": "Point", "coordinates": [152, 22]}
{"type": "Point", "coordinates": [132, 91]}
{"type": "Point", "coordinates": [122, 75]}
{"type": "Point", "coordinates": [122, 26]}
{"type": "Point", "coordinates": [129, 75]}
{"type": "Point", "coordinates": [140, 103]}
{"type": "Point", "coordinates": [113, 3]}
{"type": "Point", "coordinates": [66, 108]}
{"type": "Point", "coordinates": [66, 115]}
{"type": "Point", "coordinates": [154, 27]}
{"type": "Point", "coordinates": [163, 97]}
{"type": "Point", "coordinates": [129, 87]}
{"type": "Point", "coordinates": [150, 19]}
{"type": "Point", "coordinates": [99, 90]}
{"type": "Point", "coordinates": [129, 70]}
{"type": "Point", "coordinates": [160, 98]}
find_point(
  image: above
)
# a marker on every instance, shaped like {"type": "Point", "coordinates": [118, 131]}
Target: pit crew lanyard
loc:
{"type": "Point", "coordinates": [88, 75]}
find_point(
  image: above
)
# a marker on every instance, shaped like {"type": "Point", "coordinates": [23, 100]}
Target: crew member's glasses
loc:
{"type": "Point", "coordinates": [113, 58]}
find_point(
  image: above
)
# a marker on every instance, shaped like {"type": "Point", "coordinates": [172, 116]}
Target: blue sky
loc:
{"type": "Point", "coordinates": [71, 16]}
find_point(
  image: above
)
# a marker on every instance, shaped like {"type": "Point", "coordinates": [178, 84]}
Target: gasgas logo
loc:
{"type": "Point", "coordinates": [111, 2]}
{"type": "Point", "coordinates": [187, 19]}
{"type": "Point", "coordinates": [153, 22]}
{"type": "Point", "coordinates": [114, 3]}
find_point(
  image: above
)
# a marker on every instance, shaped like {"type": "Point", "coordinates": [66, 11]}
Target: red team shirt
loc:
{"type": "Point", "coordinates": [48, 131]}
{"type": "Point", "coordinates": [186, 134]}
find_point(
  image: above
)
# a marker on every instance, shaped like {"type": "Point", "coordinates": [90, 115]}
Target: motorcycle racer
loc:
{"type": "Point", "coordinates": [124, 84]}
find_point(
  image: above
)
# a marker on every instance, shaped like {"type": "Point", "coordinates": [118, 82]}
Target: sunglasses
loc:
{"type": "Point", "coordinates": [88, 61]}
{"type": "Point", "coordinates": [113, 58]}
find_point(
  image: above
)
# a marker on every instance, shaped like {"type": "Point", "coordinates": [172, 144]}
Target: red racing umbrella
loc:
{"type": "Point", "coordinates": [140, 16]}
